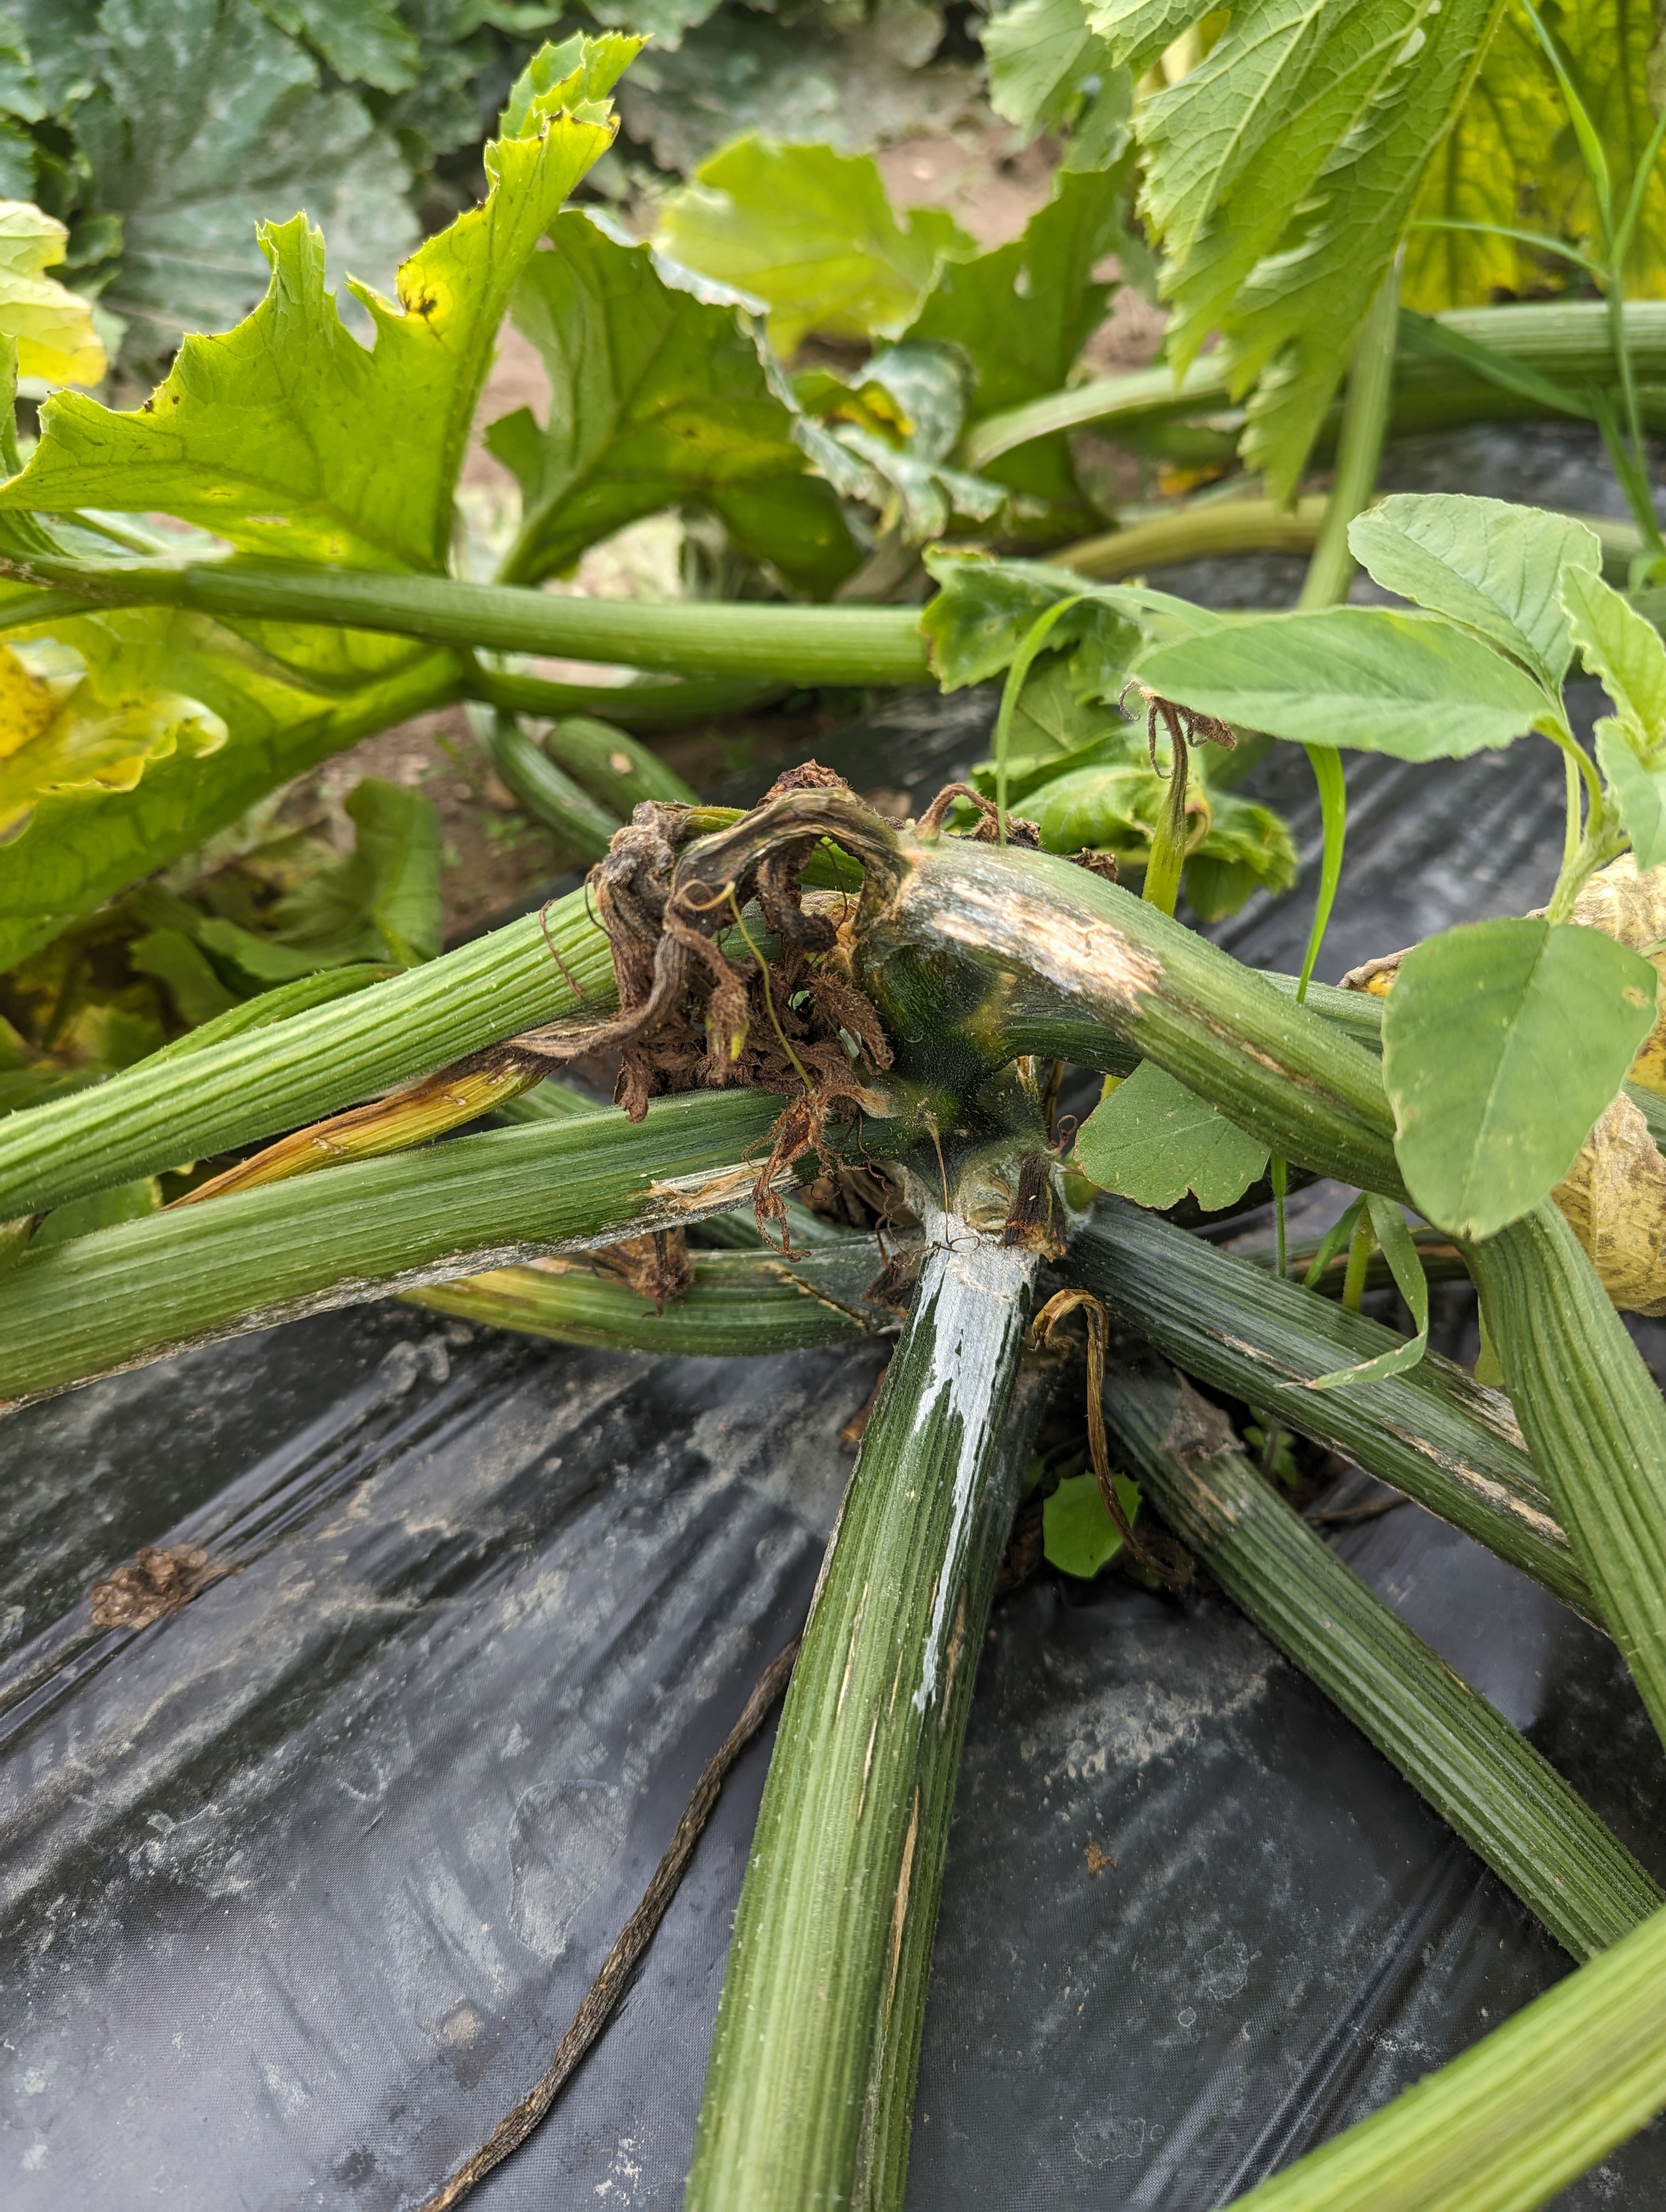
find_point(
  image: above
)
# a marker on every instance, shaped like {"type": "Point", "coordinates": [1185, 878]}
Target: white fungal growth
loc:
{"type": "Point", "coordinates": [977, 1293]}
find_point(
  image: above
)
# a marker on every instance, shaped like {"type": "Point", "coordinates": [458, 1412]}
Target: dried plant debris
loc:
{"type": "Point", "coordinates": [785, 1015]}
{"type": "Point", "coordinates": [157, 1583]}
{"type": "Point", "coordinates": [656, 1266]}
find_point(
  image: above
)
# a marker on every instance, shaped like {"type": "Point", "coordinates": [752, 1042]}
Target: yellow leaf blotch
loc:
{"type": "Point", "coordinates": [51, 327]}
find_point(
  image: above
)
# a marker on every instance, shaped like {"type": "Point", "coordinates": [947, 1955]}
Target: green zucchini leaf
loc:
{"type": "Point", "coordinates": [1021, 314]}
{"type": "Point", "coordinates": [1079, 1536]}
{"type": "Point", "coordinates": [810, 234]}
{"type": "Point", "coordinates": [1491, 566]}
{"type": "Point", "coordinates": [1152, 1140]}
{"type": "Point", "coordinates": [277, 436]}
{"type": "Point", "coordinates": [1282, 172]}
{"type": "Point", "coordinates": [1502, 1043]}
{"type": "Point", "coordinates": [984, 609]}
{"type": "Point", "coordinates": [886, 437]}
{"type": "Point", "coordinates": [664, 394]}
{"type": "Point", "coordinates": [185, 129]}
{"type": "Point", "coordinates": [359, 39]}
{"type": "Point", "coordinates": [1039, 52]}
{"type": "Point", "coordinates": [1414, 686]}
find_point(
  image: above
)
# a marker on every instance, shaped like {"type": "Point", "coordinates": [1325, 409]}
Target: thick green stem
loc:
{"type": "Point", "coordinates": [121, 1297]}
{"type": "Point", "coordinates": [1480, 1774]}
{"type": "Point", "coordinates": [811, 2083]}
{"type": "Point", "coordinates": [1359, 448]}
{"type": "Point", "coordinates": [632, 706]}
{"type": "Point", "coordinates": [782, 644]}
{"type": "Point", "coordinates": [548, 793]}
{"type": "Point", "coordinates": [1520, 2115]}
{"type": "Point", "coordinates": [740, 1304]}
{"type": "Point", "coordinates": [1430, 1432]}
{"type": "Point", "coordinates": [1209, 529]}
{"type": "Point", "coordinates": [1596, 1422]}
{"type": "Point", "coordinates": [1569, 339]}
{"type": "Point", "coordinates": [1081, 954]}
{"type": "Point", "coordinates": [158, 1113]}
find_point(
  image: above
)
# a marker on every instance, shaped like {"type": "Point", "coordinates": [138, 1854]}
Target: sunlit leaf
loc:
{"type": "Point", "coordinates": [75, 724]}
{"type": "Point", "coordinates": [1493, 567]}
{"type": "Point", "coordinates": [811, 234]}
{"type": "Point", "coordinates": [1282, 172]}
{"type": "Point", "coordinates": [1368, 678]}
{"type": "Point", "coordinates": [278, 435]}
{"type": "Point", "coordinates": [660, 394]}
{"type": "Point", "coordinates": [52, 328]}
{"type": "Point", "coordinates": [1502, 1043]}
{"type": "Point", "coordinates": [1152, 1140]}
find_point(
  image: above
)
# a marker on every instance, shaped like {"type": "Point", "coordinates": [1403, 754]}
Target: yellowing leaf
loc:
{"type": "Point", "coordinates": [1510, 160]}
{"type": "Point", "coordinates": [812, 233]}
{"type": "Point", "coordinates": [98, 732]}
{"type": "Point", "coordinates": [52, 328]}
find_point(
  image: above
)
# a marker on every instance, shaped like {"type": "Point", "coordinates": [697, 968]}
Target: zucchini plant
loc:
{"type": "Point", "coordinates": [853, 1031]}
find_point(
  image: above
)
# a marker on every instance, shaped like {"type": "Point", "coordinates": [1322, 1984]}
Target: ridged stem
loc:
{"type": "Point", "coordinates": [1481, 1775]}
{"type": "Point", "coordinates": [781, 644]}
{"type": "Point", "coordinates": [1569, 339]}
{"type": "Point", "coordinates": [1596, 1422]}
{"type": "Point", "coordinates": [1081, 954]}
{"type": "Point", "coordinates": [120, 1297]}
{"type": "Point", "coordinates": [811, 2083]}
{"type": "Point", "coordinates": [1516, 2117]}
{"type": "Point", "coordinates": [1430, 1432]}
{"type": "Point", "coordinates": [162, 1111]}
{"type": "Point", "coordinates": [741, 1303]}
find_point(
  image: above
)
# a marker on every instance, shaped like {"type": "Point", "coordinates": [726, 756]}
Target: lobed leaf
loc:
{"type": "Point", "coordinates": [1413, 686]}
{"type": "Point", "coordinates": [52, 328]}
{"type": "Point", "coordinates": [1493, 568]}
{"type": "Point", "coordinates": [810, 233]}
{"type": "Point", "coordinates": [1022, 313]}
{"type": "Point", "coordinates": [278, 436]}
{"type": "Point", "coordinates": [1502, 1043]}
{"type": "Point", "coordinates": [661, 394]}
{"type": "Point", "coordinates": [1152, 1140]}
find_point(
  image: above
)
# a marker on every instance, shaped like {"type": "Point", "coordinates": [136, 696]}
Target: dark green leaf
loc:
{"type": "Point", "coordinates": [197, 124]}
{"type": "Point", "coordinates": [984, 609]}
{"type": "Point", "coordinates": [359, 39]}
{"type": "Point", "coordinates": [1502, 1043]}
{"type": "Point", "coordinates": [1152, 1140]}
{"type": "Point", "coordinates": [385, 896]}
{"type": "Point", "coordinates": [811, 234]}
{"type": "Point", "coordinates": [1022, 315]}
{"type": "Point", "coordinates": [101, 1209]}
{"type": "Point", "coordinates": [1493, 566]}
{"type": "Point", "coordinates": [169, 954]}
{"type": "Point", "coordinates": [661, 394]}
{"type": "Point", "coordinates": [1079, 1536]}
{"type": "Point", "coordinates": [1410, 686]}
